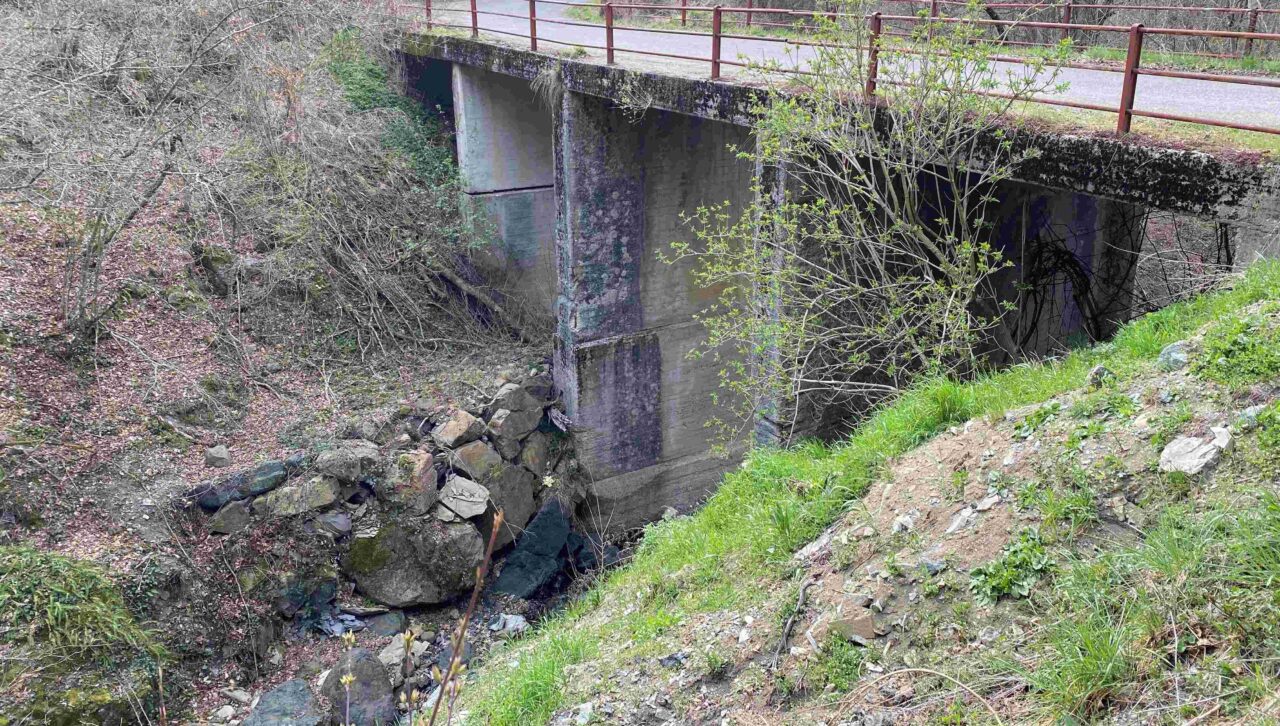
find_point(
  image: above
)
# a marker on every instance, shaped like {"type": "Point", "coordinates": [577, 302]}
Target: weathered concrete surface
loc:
{"type": "Point", "coordinates": [1241, 188]}
{"type": "Point", "coordinates": [637, 401]}
{"type": "Point", "coordinates": [506, 166]}
{"type": "Point", "coordinates": [1080, 252]}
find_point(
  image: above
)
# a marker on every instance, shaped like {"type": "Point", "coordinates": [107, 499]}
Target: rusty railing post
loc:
{"type": "Point", "coordinates": [426, 10]}
{"type": "Point", "coordinates": [475, 20]}
{"type": "Point", "coordinates": [750, 6]}
{"type": "Point", "coordinates": [873, 55]}
{"type": "Point", "coordinates": [533, 25]}
{"type": "Point", "coordinates": [1132, 61]}
{"type": "Point", "coordinates": [1066, 20]}
{"type": "Point", "coordinates": [684, 12]}
{"type": "Point", "coordinates": [1253, 28]}
{"type": "Point", "coordinates": [715, 43]}
{"type": "Point", "coordinates": [608, 33]}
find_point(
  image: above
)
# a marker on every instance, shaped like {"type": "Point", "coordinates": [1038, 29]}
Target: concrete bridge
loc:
{"type": "Point", "coordinates": [583, 188]}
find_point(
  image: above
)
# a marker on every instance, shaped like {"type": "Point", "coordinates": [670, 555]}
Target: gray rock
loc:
{"type": "Point", "coordinates": [265, 477]}
{"type": "Point", "coordinates": [858, 628]}
{"type": "Point", "coordinates": [534, 455]}
{"type": "Point", "coordinates": [514, 425]}
{"type": "Point", "coordinates": [349, 461]}
{"type": "Point", "coordinates": [392, 656]}
{"type": "Point", "coordinates": [1222, 438]}
{"type": "Point", "coordinates": [1248, 418]}
{"type": "Point", "coordinates": [423, 565]}
{"type": "Point", "coordinates": [961, 520]}
{"type": "Point", "coordinates": [458, 428]}
{"type": "Point", "coordinates": [987, 502]}
{"type": "Point", "coordinates": [1099, 376]}
{"type": "Point", "coordinates": [337, 524]}
{"type": "Point", "coordinates": [508, 626]}
{"type": "Point", "coordinates": [316, 493]}
{"type": "Point", "coordinates": [241, 485]}
{"type": "Point", "coordinates": [515, 397]}
{"type": "Point", "coordinates": [537, 556]}
{"type": "Point", "coordinates": [368, 700]}
{"type": "Point", "coordinates": [1188, 455]}
{"type": "Point", "coordinates": [217, 456]}
{"type": "Point", "coordinates": [392, 623]}
{"type": "Point", "coordinates": [903, 523]}
{"type": "Point", "coordinates": [464, 497]}
{"type": "Point", "coordinates": [512, 491]}
{"type": "Point", "coordinates": [232, 518]}
{"type": "Point", "coordinates": [224, 714]}
{"type": "Point", "coordinates": [1173, 357]}
{"type": "Point", "coordinates": [477, 460]}
{"type": "Point", "coordinates": [289, 704]}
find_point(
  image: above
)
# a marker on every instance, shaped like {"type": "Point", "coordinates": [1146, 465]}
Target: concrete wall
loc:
{"type": "Point", "coordinates": [625, 327]}
{"type": "Point", "coordinates": [1080, 251]}
{"type": "Point", "coordinates": [504, 137]}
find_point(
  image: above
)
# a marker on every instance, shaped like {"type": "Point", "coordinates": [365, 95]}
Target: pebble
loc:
{"type": "Point", "coordinates": [961, 520]}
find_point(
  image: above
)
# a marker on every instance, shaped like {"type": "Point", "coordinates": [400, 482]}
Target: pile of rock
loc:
{"type": "Point", "coordinates": [416, 500]}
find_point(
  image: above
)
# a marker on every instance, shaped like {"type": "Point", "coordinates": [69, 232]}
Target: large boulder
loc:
{"type": "Point", "coordinates": [288, 704]}
{"type": "Point", "coordinates": [368, 700]}
{"type": "Point", "coordinates": [422, 564]}
{"type": "Point", "coordinates": [514, 425]}
{"type": "Point", "coordinates": [1189, 455]}
{"type": "Point", "coordinates": [349, 461]}
{"type": "Point", "coordinates": [536, 451]}
{"type": "Point", "coordinates": [1174, 356]}
{"type": "Point", "coordinates": [232, 518]}
{"type": "Point", "coordinates": [538, 555]}
{"type": "Point", "coordinates": [316, 493]}
{"type": "Point", "coordinates": [515, 397]}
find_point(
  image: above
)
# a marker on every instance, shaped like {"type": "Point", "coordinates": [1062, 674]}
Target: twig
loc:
{"type": "Point", "coordinates": [460, 635]}
{"type": "Point", "coordinates": [791, 622]}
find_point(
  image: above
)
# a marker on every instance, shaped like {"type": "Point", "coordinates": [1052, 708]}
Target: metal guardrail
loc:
{"type": "Point", "coordinates": [1125, 110]}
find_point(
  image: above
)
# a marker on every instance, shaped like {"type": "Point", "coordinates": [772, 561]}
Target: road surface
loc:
{"type": "Point", "coordinates": [1227, 102]}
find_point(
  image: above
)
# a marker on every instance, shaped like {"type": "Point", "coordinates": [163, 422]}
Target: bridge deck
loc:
{"type": "Point", "coordinates": [508, 19]}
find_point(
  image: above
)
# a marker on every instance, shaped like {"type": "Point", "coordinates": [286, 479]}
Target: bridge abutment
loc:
{"type": "Point", "coordinates": [637, 401]}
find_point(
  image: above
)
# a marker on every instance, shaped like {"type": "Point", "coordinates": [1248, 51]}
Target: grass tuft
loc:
{"type": "Point", "coordinates": [69, 604]}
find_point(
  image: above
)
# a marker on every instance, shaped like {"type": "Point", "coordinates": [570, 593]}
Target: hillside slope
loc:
{"type": "Point", "coordinates": [1092, 538]}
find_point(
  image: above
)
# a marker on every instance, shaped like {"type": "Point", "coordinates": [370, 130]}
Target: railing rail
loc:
{"type": "Point", "coordinates": [880, 26]}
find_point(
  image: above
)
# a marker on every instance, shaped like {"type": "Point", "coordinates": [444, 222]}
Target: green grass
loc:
{"type": "Point", "coordinates": [1197, 594]}
{"type": "Point", "coordinates": [1239, 352]}
{"type": "Point", "coordinates": [68, 605]}
{"type": "Point", "coordinates": [743, 538]}
{"type": "Point", "coordinates": [414, 133]}
{"type": "Point", "coordinates": [1190, 61]}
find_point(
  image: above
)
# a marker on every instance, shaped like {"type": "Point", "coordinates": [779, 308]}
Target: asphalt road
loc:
{"type": "Point", "coordinates": [1230, 102]}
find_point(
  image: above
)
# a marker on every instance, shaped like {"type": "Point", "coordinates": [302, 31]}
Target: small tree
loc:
{"type": "Point", "coordinates": [865, 259]}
